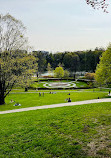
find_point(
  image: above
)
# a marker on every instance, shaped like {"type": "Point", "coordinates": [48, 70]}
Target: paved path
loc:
{"type": "Point", "coordinates": [57, 105]}
{"type": "Point", "coordinates": [57, 91]}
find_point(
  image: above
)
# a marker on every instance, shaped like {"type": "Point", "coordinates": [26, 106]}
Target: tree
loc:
{"type": "Point", "coordinates": [71, 61]}
{"type": "Point", "coordinates": [97, 4]}
{"type": "Point", "coordinates": [59, 72]}
{"type": "Point", "coordinates": [49, 69]}
{"type": "Point", "coordinates": [50, 59]}
{"type": "Point", "coordinates": [103, 71]}
{"type": "Point", "coordinates": [66, 73]}
{"type": "Point", "coordinates": [15, 63]}
{"type": "Point", "coordinates": [41, 59]}
{"type": "Point", "coordinates": [30, 64]}
{"type": "Point", "coordinates": [58, 59]}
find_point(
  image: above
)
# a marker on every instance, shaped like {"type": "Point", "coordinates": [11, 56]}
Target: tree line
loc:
{"type": "Point", "coordinates": [71, 61]}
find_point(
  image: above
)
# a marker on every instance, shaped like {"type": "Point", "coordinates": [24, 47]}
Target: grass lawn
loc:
{"type": "Point", "coordinates": [41, 84]}
{"type": "Point", "coordinates": [82, 131]}
{"type": "Point", "coordinates": [33, 99]}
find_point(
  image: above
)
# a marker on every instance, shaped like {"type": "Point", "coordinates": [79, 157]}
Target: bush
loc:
{"type": "Point", "coordinates": [66, 74]}
{"type": "Point", "coordinates": [90, 76]}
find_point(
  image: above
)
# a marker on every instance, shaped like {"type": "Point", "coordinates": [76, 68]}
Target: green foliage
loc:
{"type": "Point", "coordinates": [59, 72]}
{"type": "Point", "coordinates": [16, 65]}
{"type": "Point", "coordinates": [49, 68]}
{"type": "Point", "coordinates": [30, 64]}
{"type": "Point", "coordinates": [71, 61]}
{"type": "Point", "coordinates": [103, 71]}
{"type": "Point", "coordinates": [66, 73]}
{"type": "Point", "coordinates": [41, 60]}
{"type": "Point", "coordinates": [15, 70]}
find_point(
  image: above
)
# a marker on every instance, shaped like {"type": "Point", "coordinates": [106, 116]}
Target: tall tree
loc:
{"type": "Point", "coordinates": [71, 61]}
{"type": "Point", "coordinates": [14, 63]}
{"type": "Point", "coordinates": [103, 71]}
{"type": "Point", "coordinates": [49, 69]}
{"type": "Point", "coordinates": [41, 57]}
{"type": "Point", "coordinates": [58, 59]}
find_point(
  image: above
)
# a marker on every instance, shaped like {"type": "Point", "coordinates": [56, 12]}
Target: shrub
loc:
{"type": "Point", "coordinates": [66, 74]}
{"type": "Point", "coordinates": [90, 76]}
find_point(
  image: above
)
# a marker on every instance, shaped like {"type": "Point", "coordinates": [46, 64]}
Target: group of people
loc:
{"type": "Point", "coordinates": [41, 94]}
{"type": "Point", "coordinates": [16, 104]}
{"type": "Point", "coordinates": [69, 99]}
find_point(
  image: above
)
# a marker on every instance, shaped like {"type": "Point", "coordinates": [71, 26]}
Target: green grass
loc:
{"type": "Point", "coordinates": [41, 84]}
{"type": "Point", "coordinates": [33, 99]}
{"type": "Point", "coordinates": [81, 84]}
{"type": "Point", "coordinates": [82, 131]}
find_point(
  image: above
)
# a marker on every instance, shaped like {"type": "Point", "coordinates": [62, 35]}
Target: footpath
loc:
{"type": "Point", "coordinates": [57, 105]}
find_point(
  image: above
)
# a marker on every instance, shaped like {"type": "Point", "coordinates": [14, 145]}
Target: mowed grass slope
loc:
{"type": "Point", "coordinates": [82, 131]}
{"type": "Point", "coordinates": [33, 99]}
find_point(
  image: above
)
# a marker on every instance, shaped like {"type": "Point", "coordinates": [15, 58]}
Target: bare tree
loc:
{"type": "Point", "coordinates": [11, 33]}
{"type": "Point", "coordinates": [97, 4]}
{"type": "Point", "coordinates": [15, 63]}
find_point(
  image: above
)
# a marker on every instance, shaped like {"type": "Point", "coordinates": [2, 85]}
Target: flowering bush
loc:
{"type": "Point", "coordinates": [90, 76]}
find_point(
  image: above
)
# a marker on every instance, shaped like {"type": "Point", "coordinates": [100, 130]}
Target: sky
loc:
{"type": "Point", "coordinates": [61, 25]}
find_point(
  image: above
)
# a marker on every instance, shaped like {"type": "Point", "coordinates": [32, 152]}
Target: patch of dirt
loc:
{"type": "Point", "coordinates": [100, 146]}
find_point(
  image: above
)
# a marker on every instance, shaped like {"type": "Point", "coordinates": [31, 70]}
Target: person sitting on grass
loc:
{"type": "Point", "coordinates": [17, 104]}
{"type": "Point", "coordinates": [69, 100]}
{"type": "Point", "coordinates": [12, 101]}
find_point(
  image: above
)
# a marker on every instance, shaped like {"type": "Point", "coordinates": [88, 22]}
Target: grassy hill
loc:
{"type": "Point", "coordinates": [82, 131]}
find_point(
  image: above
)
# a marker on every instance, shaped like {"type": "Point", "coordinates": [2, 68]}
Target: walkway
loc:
{"type": "Point", "coordinates": [57, 105]}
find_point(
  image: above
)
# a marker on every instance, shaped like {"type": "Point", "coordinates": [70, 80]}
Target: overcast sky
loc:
{"type": "Point", "coordinates": [61, 25]}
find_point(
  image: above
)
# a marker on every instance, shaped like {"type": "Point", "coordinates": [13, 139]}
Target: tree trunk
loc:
{"type": "Point", "coordinates": [26, 89]}
{"type": "Point", "coordinates": [2, 100]}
